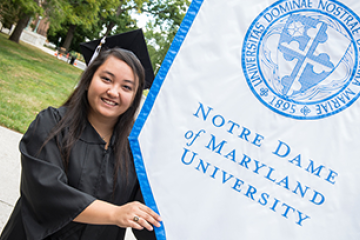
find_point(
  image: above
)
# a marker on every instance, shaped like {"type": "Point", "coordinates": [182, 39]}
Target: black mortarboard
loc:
{"type": "Point", "coordinates": [133, 41]}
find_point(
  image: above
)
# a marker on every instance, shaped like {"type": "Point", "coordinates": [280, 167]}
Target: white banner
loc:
{"type": "Point", "coordinates": [252, 127]}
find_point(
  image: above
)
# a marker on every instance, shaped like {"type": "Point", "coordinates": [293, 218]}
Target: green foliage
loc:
{"type": "Point", "coordinates": [20, 11]}
{"type": "Point", "coordinates": [117, 16]}
{"type": "Point", "coordinates": [16, 8]}
{"type": "Point", "coordinates": [79, 36]}
{"type": "Point", "coordinates": [167, 16]}
{"type": "Point", "coordinates": [29, 7]}
{"type": "Point", "coordinates": [31, 80]}
{"type": "Point", "coordinates": [8, 13]}
{"type": "Point", "coordinates": [116, 20]}
{"type": "Point", "coordinates": [56, 11]}
{"type": "Point", "coordinates": [158, 45]}
{"type": "Point", "coordinates": [105, 15]}
{"type": "Point", "coordinates": [84, 14]}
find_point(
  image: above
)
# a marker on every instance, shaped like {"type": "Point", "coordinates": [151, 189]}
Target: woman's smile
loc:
{"type": "Point", "coordinates": [109, 102]}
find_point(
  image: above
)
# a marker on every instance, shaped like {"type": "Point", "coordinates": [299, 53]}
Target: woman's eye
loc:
{"type": "Point", "coordinates": [128, 87]}
{"type": "Point", "coordinates": [106, 79]}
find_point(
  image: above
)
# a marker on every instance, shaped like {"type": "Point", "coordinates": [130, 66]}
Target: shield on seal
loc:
{"type": "Point", "coordinates": [305, 59]}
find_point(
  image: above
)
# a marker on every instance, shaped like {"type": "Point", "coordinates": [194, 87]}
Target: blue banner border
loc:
{"type": "Point", "coordinates": [144, 113]}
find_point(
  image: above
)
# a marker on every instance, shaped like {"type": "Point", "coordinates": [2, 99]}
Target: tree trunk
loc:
{"type": "Point", "coordinates": [119, 10]}
{"type": "Point", "coordinates": [109, 28]}
{"type": "Point", "coordinates": [21, 24]}
{"type": "Point", "coordinates": [69, 37]}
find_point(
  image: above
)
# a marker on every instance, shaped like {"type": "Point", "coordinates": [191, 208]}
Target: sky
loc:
{"type": "Point", "coordinates": [141, 19]}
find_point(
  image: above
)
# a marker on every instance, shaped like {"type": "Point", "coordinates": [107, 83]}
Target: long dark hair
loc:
{"type": "Point", "coordinates": [75, 118]}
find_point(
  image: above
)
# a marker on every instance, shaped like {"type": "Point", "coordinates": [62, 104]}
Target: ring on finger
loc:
{"type": "Point", "coordinates": [136, 218]}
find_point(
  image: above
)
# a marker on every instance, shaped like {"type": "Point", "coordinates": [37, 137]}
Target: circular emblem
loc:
{"type": "Point", "coordinates": [300, 58]}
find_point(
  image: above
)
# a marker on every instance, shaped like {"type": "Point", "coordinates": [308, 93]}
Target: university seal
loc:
{"type": "Point", "coordinates": [301, 58]}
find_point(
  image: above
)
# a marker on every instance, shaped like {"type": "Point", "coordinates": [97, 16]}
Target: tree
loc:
{"type": "Point", "coordinates": [122, 23]}
{"type": "Point", "coordinates": [117, 20]}
{"type": "Point", "coordinates": [166, 17]}
{"type": "Point", "coordinates": [20, 11]}
{"type": "Point", "coordinates": [124, 8]}
{"type": "Point", "coordinates": [117, 17]}
{"type": "Point", "coordinates": [25, 10]}
{"type": "Point", "coordinates": [84, 14]}
{"type": "Point", "coordinates": [165, 20]}
{"type": "Point", "coordinates": [56, 11]}
{"type": "Point", "coordinates": [8, 14]}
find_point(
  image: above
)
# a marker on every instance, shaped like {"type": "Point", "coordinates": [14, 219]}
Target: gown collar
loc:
{"type": "Point", "coordinates": [90, 135]}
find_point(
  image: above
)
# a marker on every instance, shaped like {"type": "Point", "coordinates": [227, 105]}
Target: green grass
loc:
{"type": "Point", "coordinates": [31, 80]}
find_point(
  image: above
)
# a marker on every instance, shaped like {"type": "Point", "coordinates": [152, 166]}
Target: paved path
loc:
{"type": "Point", "coordinates": [79, 64]}
{"type": "Point", "coordinates": [9, 172]}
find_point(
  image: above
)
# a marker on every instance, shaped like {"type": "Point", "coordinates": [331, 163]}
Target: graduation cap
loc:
{"type": "Point", "coordinates": [133, 41]}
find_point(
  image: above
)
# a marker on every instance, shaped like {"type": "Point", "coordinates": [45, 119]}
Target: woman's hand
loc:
{"type": "Point", "coordinates": [134, 214]}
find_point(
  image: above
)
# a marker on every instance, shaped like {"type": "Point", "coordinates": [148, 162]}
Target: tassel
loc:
{"type": "Point", "coordinates": [97, 50]}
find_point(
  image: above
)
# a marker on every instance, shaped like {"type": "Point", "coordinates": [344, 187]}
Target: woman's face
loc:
{"type": "Point", "coordinates": [111, 90]}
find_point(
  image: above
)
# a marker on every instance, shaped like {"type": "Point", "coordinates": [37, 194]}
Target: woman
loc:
{"type": "Point", "coordinates": [78, 179]}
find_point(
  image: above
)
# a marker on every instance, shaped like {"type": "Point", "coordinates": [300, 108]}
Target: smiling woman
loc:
{"type": "Point", "coordinates": [78, 176]}
{"type": "Point", "coordinates": [110, 93]}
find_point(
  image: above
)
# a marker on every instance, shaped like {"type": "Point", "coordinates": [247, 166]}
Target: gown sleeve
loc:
{"type": "Point", "coordinates": [48, 202]}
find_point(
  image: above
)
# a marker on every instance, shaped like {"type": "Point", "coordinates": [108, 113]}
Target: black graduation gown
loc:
{"type": "Point", "coordinates": [51, 199]}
